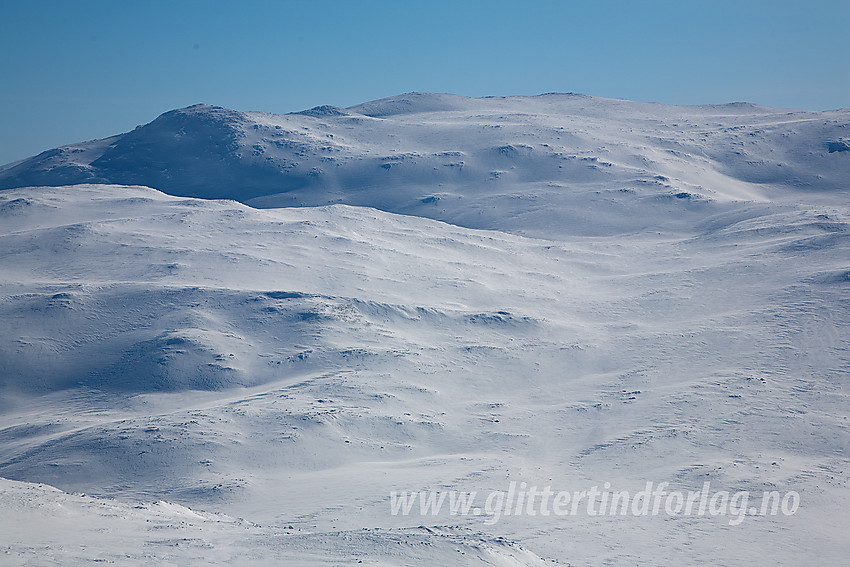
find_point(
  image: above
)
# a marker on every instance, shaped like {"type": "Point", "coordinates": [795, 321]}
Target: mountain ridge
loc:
{"type": "Point", "coordinates": [454, 158]}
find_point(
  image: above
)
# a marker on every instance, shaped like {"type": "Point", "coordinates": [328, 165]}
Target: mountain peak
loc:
{"type": "Point", "coordinates": [413, 103]}
{"type": "Point", "coordinates": [323, 110]}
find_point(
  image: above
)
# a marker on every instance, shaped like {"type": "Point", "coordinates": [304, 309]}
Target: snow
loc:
{"type": "Point", "coordinates": [551, 165]}
{"type": "Point", "coordinates": [76, 528]}
{"type": "Point", "coordinates": [560, 290]}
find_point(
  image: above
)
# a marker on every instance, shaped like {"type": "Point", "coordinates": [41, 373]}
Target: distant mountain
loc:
{"type": "Point", "coordinates": [543, 165]}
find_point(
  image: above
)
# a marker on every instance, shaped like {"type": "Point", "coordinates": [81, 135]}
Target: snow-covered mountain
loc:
{"type": "Point", "coordinates": [559, 290]}
{"type": "Point", "coordinates": [545, 165]}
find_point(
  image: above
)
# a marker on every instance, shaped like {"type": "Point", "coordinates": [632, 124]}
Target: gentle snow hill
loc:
{"type": "Point", "coordinates": [544, 165]}
{"type": "Point", "coordinates": [294, 366]}
{"type": "Point", "coordinates": [63, 529]}
{"type": "Point", "coordinates": [40, 522]}
{"type": "Point", "coordinates": [461, 293]}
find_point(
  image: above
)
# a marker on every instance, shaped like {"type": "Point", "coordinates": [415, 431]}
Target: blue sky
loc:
{"type": "Point", "coordinates": [79, 70]}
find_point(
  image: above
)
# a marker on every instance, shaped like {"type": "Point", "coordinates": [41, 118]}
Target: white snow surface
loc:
{"type": "Point", "coordinates": [461, 293]}
{"type": "Point", "coordinates": [550, 165]}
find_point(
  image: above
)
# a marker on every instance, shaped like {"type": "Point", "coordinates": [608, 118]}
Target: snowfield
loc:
{"type": "Point", "coordinates": [228, 337]}
{"type": "Point", "coordinates": [550, 165]}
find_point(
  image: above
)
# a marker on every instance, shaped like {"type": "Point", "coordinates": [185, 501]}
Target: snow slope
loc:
{"type": "Point", "coordinates": [44, 526]}
{"type": "Point", "coordinates": [186, 362]}
{"type": "Point", "coordinates": [544, 166]}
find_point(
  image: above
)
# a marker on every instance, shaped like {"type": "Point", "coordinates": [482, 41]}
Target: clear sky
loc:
{"type": "Point", "coordinates": [78, 70]}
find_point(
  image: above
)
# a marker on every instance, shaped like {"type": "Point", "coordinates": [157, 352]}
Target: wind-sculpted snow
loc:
{"type": "Point", "coordinates": [555, 164]}
{"type": "Point", "coordinates": [295, 366]}
{"type": "Point", "coordinates": [49, 524]}
{"type": "Point", "coordinates": [661, 294]}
